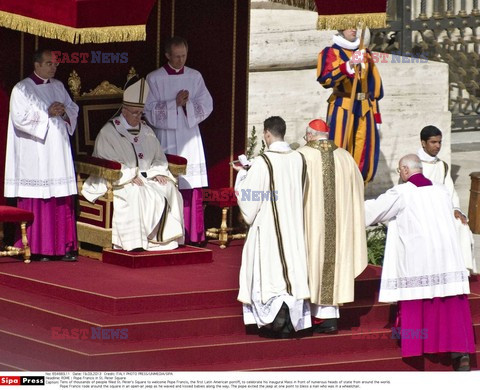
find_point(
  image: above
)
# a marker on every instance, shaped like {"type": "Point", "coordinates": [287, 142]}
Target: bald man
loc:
{"type": "Point", "coordinates": [423, 269]}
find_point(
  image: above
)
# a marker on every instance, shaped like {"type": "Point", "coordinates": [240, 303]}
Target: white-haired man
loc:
{"type": "Point", "coordinates": [423, 269]}
{"type": "Point", "coordinates": [148, 208]}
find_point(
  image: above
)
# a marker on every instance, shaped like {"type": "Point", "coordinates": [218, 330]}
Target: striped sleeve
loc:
{"type": "Point", "coordinates": [331, 70]}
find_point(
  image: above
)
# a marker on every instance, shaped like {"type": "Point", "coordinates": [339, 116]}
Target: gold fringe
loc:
{"type": "Point", "coordinates": [177, 169]}
{"type": "Point", "coordinates": [91, 169]}
{"type": "Point", "coordinates": [346, 21]}
{"type": "Point", "coordinates": [71, 34]}
{"type": "Point", "coordinates": [95, 235]}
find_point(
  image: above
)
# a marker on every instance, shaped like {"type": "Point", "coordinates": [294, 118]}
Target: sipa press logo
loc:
{"type": "Point", "coordinates": [22, 380]}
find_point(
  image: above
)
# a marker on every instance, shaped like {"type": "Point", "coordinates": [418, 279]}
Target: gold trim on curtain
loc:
{"type": "Point", "coordinates": [346, 21]}
{"type": "Point", "coordinates": [71, 34]}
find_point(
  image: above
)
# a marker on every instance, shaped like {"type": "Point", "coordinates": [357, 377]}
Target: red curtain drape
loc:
{"type": "Point", "coordinates": [82, 13]}
{"type": "Point", "coordinates": [340, 7]}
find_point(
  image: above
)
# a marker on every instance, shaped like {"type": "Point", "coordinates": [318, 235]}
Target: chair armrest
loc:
{"type": "Point", "coordinates": [176, 164]}
{"type": "Point", "coordinates": [106, 169]}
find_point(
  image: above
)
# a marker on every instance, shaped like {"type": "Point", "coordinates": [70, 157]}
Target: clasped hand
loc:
{"type": "Point", "coordinates": [56, 109]}
{"type": "Point", "coordinates": [182, 98]}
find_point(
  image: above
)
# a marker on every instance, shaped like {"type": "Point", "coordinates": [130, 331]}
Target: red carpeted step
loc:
{"type": "Point", "coordinates": [185, 254]}
{"type": "Point", "coordinates": [173, 354]}
{"type": "Point", "coordinates": [10, 361]}
{"type": "Point", "coordinates": [118, 290]}
{"type": "Point", "coordinates": [233, 351]}
{"type": "Point", "coordinates": [58, 316]}
{"type": "Point", "coordinates": [123, 290]}
{"type": "Point", "coordinates": [383, 360]}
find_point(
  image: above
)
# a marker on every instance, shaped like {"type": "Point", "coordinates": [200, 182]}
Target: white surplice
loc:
{"type": "Point", "coordinates": [148, 216]}
{"type": "Point", "coordinates": [265, 273]}
{"type": "Point", "coordinates": [437, 171]}
{"type": "Point", "coordinates": [422, 256]}
{"type": "Point", "coordinates": [176, 128]}
{"type": "Point", "coordinates": [39, 160]}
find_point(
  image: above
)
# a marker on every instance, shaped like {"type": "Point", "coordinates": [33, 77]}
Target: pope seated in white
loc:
{"type": "Point", "coordinates": [147, 206]}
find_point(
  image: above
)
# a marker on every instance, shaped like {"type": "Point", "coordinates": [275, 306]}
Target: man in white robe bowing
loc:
{"type": "Point", "coordinates": [39, 169]}
{"type": "Point", "coordinates": [273, 274]}
{"type": "Point", "coordinates": [438, 171]}
{"type": "Point", "coordinates": [147, 206]}
{"type": "Point", "coordinates": [335, 234]}
{"type": "Point", "coordinates": [423, 269]}
{"type": "Point", "coordinates": [177, 103]}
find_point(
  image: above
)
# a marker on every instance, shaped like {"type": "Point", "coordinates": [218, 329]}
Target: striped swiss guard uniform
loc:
{"type": "Point", "coordinates": [333, 72]}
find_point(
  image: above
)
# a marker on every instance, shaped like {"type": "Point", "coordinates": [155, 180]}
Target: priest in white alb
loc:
{"type": "Point", "coordinates": [423, 269]}
{"type": "Point", "coordinates": [147, 206]}
{"type": "Point", "coordinates": [39, 169]}
{"type": "Point", "coordinates": [334, 230]}
{"type": "Point", "coordinates": [273, 274]}
{"type": "Point", "coordinates": [438, 171]}
{"type": "Point", "coordinates": [177, 103]}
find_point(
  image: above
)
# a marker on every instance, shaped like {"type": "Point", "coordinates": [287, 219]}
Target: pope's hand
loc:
{"type": "Point", "coordinates": [137, 181]}
{"type": "Point", "coordinates": [161, 179]}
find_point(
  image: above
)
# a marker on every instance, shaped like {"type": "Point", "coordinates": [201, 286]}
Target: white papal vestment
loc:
{"type": "Point", "coordinates": [148, 216]}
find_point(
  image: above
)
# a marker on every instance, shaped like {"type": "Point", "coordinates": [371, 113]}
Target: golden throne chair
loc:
{"type": "Point", "coordinates": [94, 221]}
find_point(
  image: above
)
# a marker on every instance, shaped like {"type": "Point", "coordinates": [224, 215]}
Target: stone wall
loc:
{"type": "Point", "coordinates": [284, 46]}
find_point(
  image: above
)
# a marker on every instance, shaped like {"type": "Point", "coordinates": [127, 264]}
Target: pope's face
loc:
{"type": "Point", "coordinates": [46, 68]}
{"type": "Point", "coordinates": [350, 34]}
{"type": "Point", "coordinates": [177, 56]}
{"type": "Point", "coordinates": [133, 115]}
{"type": "Point", "coordinates": [433, 145]}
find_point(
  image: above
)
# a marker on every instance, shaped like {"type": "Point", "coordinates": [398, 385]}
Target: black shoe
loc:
{"type": "Point", "coordinates": [282, 324]}
{"type": "Point", "coordinates": [281, 318]}
{"type": "Point", "coordinates": [198, 244]}
{"type": "Point", "coordinates": [40, 258]}
{"type": "Point", "coordinates": [461, 361]}
{"type": "Point", "coordinates": [69, 256]}
{"type": "Point", "coordinates": [328, 326]}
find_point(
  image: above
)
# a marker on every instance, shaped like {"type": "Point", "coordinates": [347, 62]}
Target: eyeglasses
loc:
{"type": "Point", "coordinates": [305, 137]}
{"type": "Point", "coordinates": [134, 113]}
{"type": "Point", "coordinates": [400, 168]}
